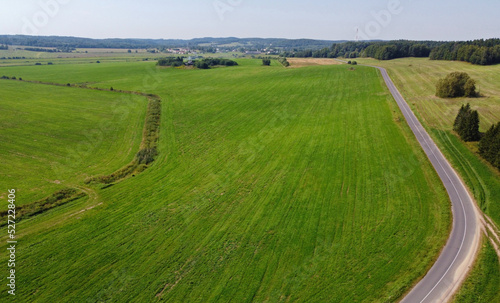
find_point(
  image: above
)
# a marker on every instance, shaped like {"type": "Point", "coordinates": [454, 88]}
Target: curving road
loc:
{"type": "Point", "coordinates": [451, 268]}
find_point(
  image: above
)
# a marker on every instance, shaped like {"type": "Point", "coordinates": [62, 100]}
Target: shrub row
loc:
{"type": "Point", "coordinates": [58, 198]}
{"type": "Point", "coordinates": [210, 62]}
{"type": "Point", "coordinates": [284, 61]}
{"type": "Point", "coordinates": [148, 151]}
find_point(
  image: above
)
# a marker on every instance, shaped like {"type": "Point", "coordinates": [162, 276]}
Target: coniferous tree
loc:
{"type": "Point", "coordinates": [489, 146]}
{"type": "Point", "coordinates": [472, 127]}
{"type": "Point", "coordinates": [467, 124]}
{"type": "Point", "coordinates": [460, 117]}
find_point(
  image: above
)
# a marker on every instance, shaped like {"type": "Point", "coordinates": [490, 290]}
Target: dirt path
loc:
{"type": "Point", "coordinates": [93, 199]}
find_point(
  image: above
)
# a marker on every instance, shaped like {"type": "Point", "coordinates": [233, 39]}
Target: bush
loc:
{"type": "Point", "coordinates": [456, 85]}
{"type": "Point", "coordinates": [147, 155]}
{"type": "Point", "coordinates": [171, 61]}
{"type": "Point", "coordinates": [201, 65]}
{"type": "Point", "coordinates": [284, 62]}
{"type": "Point", "coordinates": [470, 88]}
{"type": "Point", "coordinates": [354, 63]}
{"type": "Point", "coordinates": [266, 62]}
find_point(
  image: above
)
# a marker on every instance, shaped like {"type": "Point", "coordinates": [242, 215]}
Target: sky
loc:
{"type": "Point", "coordinates": [440, 20]}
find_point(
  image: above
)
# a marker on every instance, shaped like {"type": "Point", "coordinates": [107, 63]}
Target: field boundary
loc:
{"type": "Point", "coordinates": [142, 160]}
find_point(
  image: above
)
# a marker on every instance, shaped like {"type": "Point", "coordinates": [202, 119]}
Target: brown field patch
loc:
{"type": "Point", "coordinates": [302, 62]}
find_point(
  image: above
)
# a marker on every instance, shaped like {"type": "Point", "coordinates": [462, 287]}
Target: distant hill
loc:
{"type": "Point", "coordinates": [221, 43]}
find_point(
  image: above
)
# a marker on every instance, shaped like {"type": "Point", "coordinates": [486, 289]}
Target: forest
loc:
{"type": "Point", "coordinates": [479, 52]}
{"type": "Point", "coordinates": [197, 43]}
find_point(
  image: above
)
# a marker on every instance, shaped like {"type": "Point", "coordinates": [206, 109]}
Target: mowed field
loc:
{"type": "Point", "coordinates": [416, 79]}
{"type": "Point", "coordinates": [54, 137]}
{"type": "Point", "coordinates": [272, 185]}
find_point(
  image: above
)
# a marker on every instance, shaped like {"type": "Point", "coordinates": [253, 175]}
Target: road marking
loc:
{"type": "Point", "coordinates": [405, 107]}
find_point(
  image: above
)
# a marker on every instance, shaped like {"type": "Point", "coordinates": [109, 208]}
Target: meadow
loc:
{"type": "Point", "coordinates": [416, 79]}
{"type": "Point", "coordinates": [272, 184]}
{"type": "Point", "coordinates": [55, 137]}
{"type": "Point", "coordinates": [482, 283]}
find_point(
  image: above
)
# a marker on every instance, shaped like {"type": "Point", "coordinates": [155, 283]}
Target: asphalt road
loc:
{"type": "Point", "coordinates": [450, 269]}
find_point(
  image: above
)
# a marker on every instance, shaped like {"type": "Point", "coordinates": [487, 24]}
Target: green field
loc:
{"type": "Point", "coordinates": [483, 283]}
{"type": "Point", "coordinates": [416, 79]}
{"type": "Point", "coordinates": [271, 185]}
{"type": "Point", "coordinates": [54, 137]}
{"type": "Point", "coordinates": [91, 55]}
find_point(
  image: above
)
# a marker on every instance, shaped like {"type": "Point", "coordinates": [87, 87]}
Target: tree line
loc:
{"type": "Point", "coordinates": [49, 50]}
{"type": "Point", "coordinates": [4, 47]}
{"type": "Point", "coordinates": [196, 44]}
{"type": "Point", "coordinates": [201, 64]}
{"type": "Point", "coordinates": [479, 52]}
{"type": "Point", "coordinates": [382, 50]}
{"type": "Point", "coordinates": [171, 61]}
{"type": "Point", "coordinates": [210, 62]}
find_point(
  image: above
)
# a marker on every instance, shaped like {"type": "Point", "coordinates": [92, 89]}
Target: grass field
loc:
{"type": "Point", "coordinates": [271, 185]}
{"type": "Point", "coordinates": [91, 55]}
{"type": "Point", "coordinates": [54, 137]}
{"type": "Point", "coordinates": [416, 79]}
{"type": "Point", "coordinates": [483, 284]}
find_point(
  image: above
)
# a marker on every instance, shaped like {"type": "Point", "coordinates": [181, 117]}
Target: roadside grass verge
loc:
{"type": "Point", "coordinates": [416, 78]}
{"type": "Point", "coordinates": [483, 283]}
